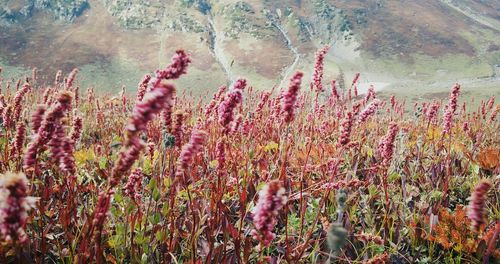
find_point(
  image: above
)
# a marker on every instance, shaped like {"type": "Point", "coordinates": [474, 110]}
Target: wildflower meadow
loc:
{"type": "Point", "coordinates": [307, 173]}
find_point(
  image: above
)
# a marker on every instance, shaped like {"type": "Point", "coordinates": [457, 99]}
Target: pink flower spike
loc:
{"type": "Point", "coordinates": [271, 199]}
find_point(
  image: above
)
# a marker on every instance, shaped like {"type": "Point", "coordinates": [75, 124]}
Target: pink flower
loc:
{"type": "Point", "coordinates": [17, 145]}
{"type": "Point", "coordinates": [289, 99]}
{"type": "Point", "coordinates": [67, 160]}
{"type": "Point", "coordinates": [144, 111]}
{"type": "Point", "coordinates": [494, 114]}
{"type": "Point", "coordinates": [355, 80]}
{"type": "Point", "coordinates": [47, 128]}
{"type": "Point", "coordinates": [55, 144]}
{"type": "Point", "coordinates": [134, 184]}
{"type": "Point", "coordinates": [263, 101]}
{"type": "Point", "coordinates": [152, 103]}
{"type": "Point", "coordinates": [142, 87]}
{"type": "Point", "coordinates": [275, 105]}
{"type": "Point", "coordinates": [318, 69]}
{"type": "Point", "coordinates": [386, 145]}
{"type": "Point", "coordinates": [432, 112]}
{"type": "Point", "coordinates": [76, 131]}
{"type": "Point", "coordinates": [226, 107]}
{"type": "Point", "coordinates": [393, 102]}
{"type": "Point", "coordinates": [237, 123]}
{"type": "Point", "coordinates": [452, 107]}
{"type": "Point", "coordinates": [475, 211]}
{"type": "Point", "coordinates": [77, 95]}
{"type": "Point", "coordinates": [18, 99]}
{"type": "Point", "coordinates": [335, 92]}
{"type": "Point", "coordinates": [490, 103]}
{"type": "Point", "coordinates": [7, 116]}
{"type": "Point", "coordinates": [370, 94]}
{"type": "Point", "coordinates": [178, 67]}
{"type": "Point", "coordinates": [47, 98]}
{"type": "Point", "coordinates": [177, 129]}
{"type": "Point", "coordinates": [71, 78]}
{"type": "Point", "coordinates": [345, 130]}
{"type": "Point", "coordinates": [14, 206]}
{"type": "Point", "coordinates": [466, 127]}
{"type": "Point", "coordinates": [2, 104]}
{"type": "Point", "coordinates": [220, 154]}
{"type": "Point", "coordinates": [126, 160]}
{"type": "Point", "coordinates": [369, 110]}
{"type": "Point", "coordinates": [101, 212]}
{"type": "Point", "coordinates": [189, 151]}
{"type": "Point", "coordinates": [166, 117]}
{"type": "Point", "coordinates": [271, 199]}
{"type": "Point", "coordinates": [245, 129]}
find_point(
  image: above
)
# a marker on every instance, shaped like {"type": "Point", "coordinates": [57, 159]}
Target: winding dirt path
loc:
{"type": "Point", "coordinates": [288, 71]}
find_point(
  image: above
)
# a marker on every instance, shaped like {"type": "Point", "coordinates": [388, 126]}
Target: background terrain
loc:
{"type": "Point", "coordinates": [415, 49]}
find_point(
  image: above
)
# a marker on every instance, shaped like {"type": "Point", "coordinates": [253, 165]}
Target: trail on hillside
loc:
{"type": "Point", "coordinates": [215, 45]}
{"type": "Point", "coordinates": [492, 24]}
{"type": "Point", "coordinates": [288, 71]}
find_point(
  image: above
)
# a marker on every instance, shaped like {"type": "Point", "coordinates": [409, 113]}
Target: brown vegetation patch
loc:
{"type": "Point", "coordinates": [267, 59]}
{"type": "Point", "coordinates": [408, 27]}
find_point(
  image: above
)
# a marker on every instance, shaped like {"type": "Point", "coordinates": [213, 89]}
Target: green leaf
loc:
{"type": "Point", "coordinates": [271, 146]}
{"type": "Point", "coordinates": [372, 190]}
{"type": "Point", "coordinates": [475, 168]}
{"type": "Point", "coordinates": [103, 162]}
{"type": "Point", "coordinates": [393, 177]}
{"type": "Point", "coordinates": [160, 235]}
{"type": "Point", "coordinates": [152, 184]}
{"type": "Point", "coordinates": [156, 194]}
{"type": "Point", "coordinates": [436, 195]}
{"type": "Point", "coordinates": [369, 152]}
{"type": "Point", "coordinates": [118, 197]}
{"type": "Point", "coordinates": [155, 219]}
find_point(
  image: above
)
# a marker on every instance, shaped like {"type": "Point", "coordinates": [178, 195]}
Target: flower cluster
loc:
{"type": "Point", "coordinates": [369, 110]}
{"type": "Point", "coordinates": [18, 99]}
{"type": "Point", "coordinates": [220, 154]}
{"type": "Point", "coordinates": [71, 78]}
{"type": "Point", "coordinates": [177, 128]}
{"type": "Point", "coordinates": [335, 93]}
{"type": "Point", "coordinates": [432, 112]}
{"type": "Point", "coordinates": [452, 107]}
{"type": "Point", "coordinates": [317, 77]}
{"type": "Point", "coordinates": [14, 206]}
{"type": "Point", "coordinates": [290, 97]}
{"type": "Point", "coordinates": [143, 87]}
{"type": "Point", "coordinates": [231, 100]}
{"type": "Point", "coordinates": [178, 67]}
{"type": "Point", "coordinates": [189, 151]}
{"type": "Point", "coordinates": [144, 111]}
{"type": "Point", "coordinates": [48, 127]}
{"type": "Point", "coordinates": [271, 199]}
{"type": "Point", "coordinates": [386, 145]}
{"type": "Point", "coordinates": [476, 207]}
{"type": "Point", "coordinates": [134, 184]}
{"type": "Point", "coordinates": [77, 127]}
{"type": "Point", "coordinates": [345, 129]}
{"type": "Point", "coordinates": [17, 145]}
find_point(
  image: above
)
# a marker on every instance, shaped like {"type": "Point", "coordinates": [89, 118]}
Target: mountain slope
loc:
{"type": "Point", "coordinates": [263, 40]}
